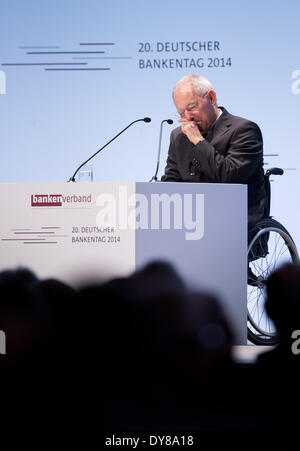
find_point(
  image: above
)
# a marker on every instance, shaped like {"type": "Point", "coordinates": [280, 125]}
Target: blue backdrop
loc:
{"type": "Point", "coordinates": [73, 73]}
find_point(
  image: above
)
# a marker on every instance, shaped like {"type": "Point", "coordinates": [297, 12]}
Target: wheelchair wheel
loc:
{"type": "Point", "coordinates": [270, 246]}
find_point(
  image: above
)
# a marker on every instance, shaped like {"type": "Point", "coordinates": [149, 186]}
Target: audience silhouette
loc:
{"type": "Point", "coordinates": [278, 368]}
{"type": "Point", "coordinates": [140, 353]}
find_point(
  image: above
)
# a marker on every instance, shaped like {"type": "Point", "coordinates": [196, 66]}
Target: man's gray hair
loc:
{"type": "Point", "coordinates": [200, 84]}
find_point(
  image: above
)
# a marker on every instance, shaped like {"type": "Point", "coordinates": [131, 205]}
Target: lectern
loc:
{"type": "Point", "coordinates": [82, 232]}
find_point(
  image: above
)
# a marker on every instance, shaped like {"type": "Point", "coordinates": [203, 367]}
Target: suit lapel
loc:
{"type": "Point", "coordinates": [220, 127]}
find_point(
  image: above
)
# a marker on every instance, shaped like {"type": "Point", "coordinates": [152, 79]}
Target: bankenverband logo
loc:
{"type": "Point", "coordinates": [58, 200]}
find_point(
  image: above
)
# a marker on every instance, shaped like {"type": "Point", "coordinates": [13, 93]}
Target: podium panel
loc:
{"type": "Point", "coordinates": [86, 232]}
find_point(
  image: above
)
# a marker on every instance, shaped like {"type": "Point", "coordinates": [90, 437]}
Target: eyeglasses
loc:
{"type": "Point", "coordinates": [190, 108]}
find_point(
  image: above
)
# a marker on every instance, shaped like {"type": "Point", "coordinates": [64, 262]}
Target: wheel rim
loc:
{"type": "Point", "coordinates": [280, 249]}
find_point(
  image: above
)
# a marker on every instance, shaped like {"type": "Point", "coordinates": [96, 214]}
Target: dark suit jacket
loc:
{"type": "Point", "coordinates": [232, 152]}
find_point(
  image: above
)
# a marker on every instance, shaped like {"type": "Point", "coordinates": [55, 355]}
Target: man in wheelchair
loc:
{"type": "Point", "coordinates": [213, 146]}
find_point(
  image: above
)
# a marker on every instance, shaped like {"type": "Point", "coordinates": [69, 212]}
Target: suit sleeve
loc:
{"type": "Point", "coordinates": [237, 162]}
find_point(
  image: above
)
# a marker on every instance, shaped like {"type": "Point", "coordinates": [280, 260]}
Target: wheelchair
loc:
{"type": "Point", "coordinates": [269, 246]}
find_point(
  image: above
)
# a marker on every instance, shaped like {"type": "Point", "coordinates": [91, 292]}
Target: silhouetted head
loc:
{"type": "Point", "coordinates": [156, 278]}
{"type": "Point", "coordinates": [283, 299]}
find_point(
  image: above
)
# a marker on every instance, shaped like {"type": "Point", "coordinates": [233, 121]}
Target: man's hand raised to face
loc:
{"type": "Point", "coordinates": [191, 130]}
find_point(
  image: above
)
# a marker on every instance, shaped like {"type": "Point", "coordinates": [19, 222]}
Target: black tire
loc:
{"type": "Point", "coordinates": [269, 246]}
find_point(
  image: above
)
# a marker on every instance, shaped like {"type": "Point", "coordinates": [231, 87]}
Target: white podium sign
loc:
{"type": "Point", "coordinates": [82, 232]}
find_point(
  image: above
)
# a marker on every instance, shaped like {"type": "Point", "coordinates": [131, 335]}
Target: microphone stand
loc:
{"type": "Point", "coordinates": [145, 119]}
{"type": "Point", "coordinates": [169, 121]}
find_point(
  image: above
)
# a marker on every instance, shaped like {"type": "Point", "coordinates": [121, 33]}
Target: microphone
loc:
{"type": "Point", "coordinates": [145, 119]}
{"type": "Point", "coordinates": [169, 121]}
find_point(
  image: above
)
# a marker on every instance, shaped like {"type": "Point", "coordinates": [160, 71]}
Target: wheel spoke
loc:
{"type": "Point", "coordinates": [271, 247]}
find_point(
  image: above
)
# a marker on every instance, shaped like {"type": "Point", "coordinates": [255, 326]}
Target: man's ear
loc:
{"type": "Point", "coordinates": [212, 97]}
